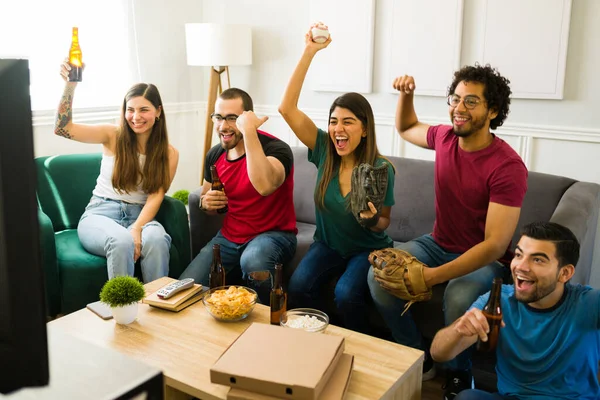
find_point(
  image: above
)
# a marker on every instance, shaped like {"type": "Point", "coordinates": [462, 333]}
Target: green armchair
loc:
{"type": "Point", "coordinates": [73, 276]}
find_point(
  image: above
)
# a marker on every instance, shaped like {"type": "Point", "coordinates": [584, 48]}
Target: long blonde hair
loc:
{"type": "Point", "coordinates": [366, 152]}
{"type": "Point", "coordinates": [155, 173]}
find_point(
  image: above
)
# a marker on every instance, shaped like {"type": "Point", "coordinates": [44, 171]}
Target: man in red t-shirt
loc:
{"type": "Point", "coordinates": [257, 172]}
{"type": "Point", "coordinates": [480, 183]}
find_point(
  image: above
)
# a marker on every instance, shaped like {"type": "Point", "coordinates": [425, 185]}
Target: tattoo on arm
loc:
{"type": "Point", "coordinates": [65, 113]}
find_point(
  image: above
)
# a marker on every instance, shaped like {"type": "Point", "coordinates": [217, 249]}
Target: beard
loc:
{"type": "Point", "coordinates": [540, 291]}
{"type": "Point", "coordinates": [463, 132]}
{"type": "Point", "coordinates": [230, 144]}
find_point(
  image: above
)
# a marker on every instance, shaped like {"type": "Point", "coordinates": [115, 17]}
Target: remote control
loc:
{"type": "Point", "coordinates": [175, 287]}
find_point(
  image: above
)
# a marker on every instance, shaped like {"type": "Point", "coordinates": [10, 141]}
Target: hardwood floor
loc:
{"type": "Point", "coordinates": [432, 390]}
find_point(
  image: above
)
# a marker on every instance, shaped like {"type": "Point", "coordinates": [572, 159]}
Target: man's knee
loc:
{"type": "Point", "coordinates": [380, 296]}
{"type": "Point", "coordinates": [261, 256]}
{"type": "Point", "coordinates": [200, 266]}
{"type": "Point", "coordinates": [459, 296]}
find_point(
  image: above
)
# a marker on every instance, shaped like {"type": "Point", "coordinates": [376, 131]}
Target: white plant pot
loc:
{"type": "Point", "coordinates": [125, 314]}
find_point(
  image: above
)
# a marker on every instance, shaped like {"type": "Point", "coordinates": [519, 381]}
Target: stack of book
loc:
{"type": "Point", "coordinates": [177, 302]}
{"type": "Point", "coordinates": [272, 362]}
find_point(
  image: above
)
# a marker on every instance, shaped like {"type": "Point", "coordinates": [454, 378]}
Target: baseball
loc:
{"type": "Point", "coordinates": [320, 34]}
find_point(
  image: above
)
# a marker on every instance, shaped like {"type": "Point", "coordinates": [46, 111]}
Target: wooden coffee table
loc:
{"type": "Point", "coordinates": [186, 344]}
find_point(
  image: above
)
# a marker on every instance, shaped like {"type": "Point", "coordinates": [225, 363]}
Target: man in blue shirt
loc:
{"type": "Point", "coordinates": [549, 344]}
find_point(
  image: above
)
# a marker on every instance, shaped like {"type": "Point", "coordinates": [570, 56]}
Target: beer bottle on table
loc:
{"type": "Point", "coordinates": [75, 58]}
{"type": "Point", "coordinates": [278, 296]}
{"type": "Point", "coordinates": [493, 313]}
{"type": "Point", "coordinates": [217, 185]}
{"type": "Point", "coordinates": [216, 276]}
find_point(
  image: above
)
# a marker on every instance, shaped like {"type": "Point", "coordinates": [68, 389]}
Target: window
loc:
{"type": "Point", "coordinates": [40, 30]}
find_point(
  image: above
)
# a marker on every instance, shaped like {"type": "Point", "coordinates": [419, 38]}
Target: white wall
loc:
{"type": "Point", "coordinates": [162, 61]}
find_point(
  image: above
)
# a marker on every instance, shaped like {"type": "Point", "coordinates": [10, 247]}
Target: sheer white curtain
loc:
{"type": "Point", "coordinates": [40, 30]}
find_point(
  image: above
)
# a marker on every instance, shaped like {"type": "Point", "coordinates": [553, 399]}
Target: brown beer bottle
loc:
{"type": "Point", "coordinates": [216, 276]}
{"type": "Point", "coordinates": [75, 58]}
{"type": "Point", "coordinates": [278, 296]}
{"type": "Point", "coordinates": [493, 313]}
{"type": "Point", "coordinates": [217, 185]}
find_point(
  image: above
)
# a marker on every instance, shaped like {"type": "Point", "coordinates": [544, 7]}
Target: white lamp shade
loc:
{"type": "Point", "coordinates": [218, 44]}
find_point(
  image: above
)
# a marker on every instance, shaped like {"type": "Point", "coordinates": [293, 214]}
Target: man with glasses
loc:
{"type": "Point", "coordinates": [256, 169]}
{"type": "Point", "coordinates": [480, 183]}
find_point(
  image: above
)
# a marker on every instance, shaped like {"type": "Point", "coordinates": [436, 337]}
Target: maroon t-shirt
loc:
{"type": "Point", "coordinates": [465, 184]}
{"type": "Point", "coordinates": [251, 214]}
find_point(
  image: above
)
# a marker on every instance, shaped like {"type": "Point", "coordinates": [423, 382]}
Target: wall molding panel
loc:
{"type": "Point", "coordinates": [418, 31]}
{"type": "Point", "coordinates": [540, 47]}
{"type": "Point", "coordinates": [352, 27]}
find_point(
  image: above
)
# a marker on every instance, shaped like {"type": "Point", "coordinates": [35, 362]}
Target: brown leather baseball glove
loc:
{"type": "Point", "coordinates": [394, 268]}
{"type": "Point", "coordinates": [369, 184]}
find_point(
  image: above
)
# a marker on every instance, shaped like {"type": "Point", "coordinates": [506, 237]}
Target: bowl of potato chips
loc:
{"type": "Point", "coordinates": [230, 303]}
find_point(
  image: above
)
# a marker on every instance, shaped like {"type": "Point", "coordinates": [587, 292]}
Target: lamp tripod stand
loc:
{"type": "Point", "coordinates": [215, 88]}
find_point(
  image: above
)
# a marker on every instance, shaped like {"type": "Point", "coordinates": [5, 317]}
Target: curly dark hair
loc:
{"type": "Point", "coordinates": [497, 92]}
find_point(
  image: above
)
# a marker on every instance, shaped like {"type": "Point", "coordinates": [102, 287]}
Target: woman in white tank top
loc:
{"type": "Point", "coordinates": [138, 166]}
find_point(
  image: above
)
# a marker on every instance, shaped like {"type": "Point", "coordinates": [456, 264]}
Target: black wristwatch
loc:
{"type": "Point", "coordinates": [201, 208]}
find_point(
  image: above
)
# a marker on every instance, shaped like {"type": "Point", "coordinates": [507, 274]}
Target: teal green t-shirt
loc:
{"type": "Point", "coordinates": [336, 226]}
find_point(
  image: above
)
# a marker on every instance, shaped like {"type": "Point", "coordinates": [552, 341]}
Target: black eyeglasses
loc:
{"type": "Point", "coordinates": [470, 102]}
{"type": "Point", "coordinates": [218, 118]}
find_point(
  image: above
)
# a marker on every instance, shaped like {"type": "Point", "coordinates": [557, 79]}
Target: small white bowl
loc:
{"type": "Point", "coordinates": [293, 319]}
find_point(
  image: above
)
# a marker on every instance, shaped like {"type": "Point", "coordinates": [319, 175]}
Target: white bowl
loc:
{"type": "Point", "coordinates": [307, 319]}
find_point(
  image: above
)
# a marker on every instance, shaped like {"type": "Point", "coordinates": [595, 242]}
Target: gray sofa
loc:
{"type": "Point", "coordinates": [555, 198]}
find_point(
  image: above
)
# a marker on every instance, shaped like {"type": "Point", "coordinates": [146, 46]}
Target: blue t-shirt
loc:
{"type": "Point", "coordinates": [551, 353]}
{"type": "Point", "coordinates": [336, 226]}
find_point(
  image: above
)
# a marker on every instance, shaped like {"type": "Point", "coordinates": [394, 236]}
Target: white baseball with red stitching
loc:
{"type": "Point", "coordinates": [320, 34]}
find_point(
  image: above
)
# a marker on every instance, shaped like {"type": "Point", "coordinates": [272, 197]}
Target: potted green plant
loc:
{"type": "Point", "coordinates": [122, 294]}
{"type": "Point", "coordinates": [182, 195]}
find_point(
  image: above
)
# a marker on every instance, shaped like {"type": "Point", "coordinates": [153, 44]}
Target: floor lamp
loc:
{"type": "Point", "coordinates": [217, 46]}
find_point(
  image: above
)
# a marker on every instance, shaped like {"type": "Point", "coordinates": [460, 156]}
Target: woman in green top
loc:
{"type": "Point", "coordinates": [341, 245]}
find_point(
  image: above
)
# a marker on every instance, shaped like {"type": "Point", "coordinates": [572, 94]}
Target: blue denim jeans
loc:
{"type": "Point", "coordinates": [474, 394]}
{"type": "Point", "coordinates": [351, 291]}
{"type": "Point", "coordinates": [104, 230]}
{"type": "Point", "coordinates": [460, 294]}
{"type": "Point", "coordinates": [259, 254]}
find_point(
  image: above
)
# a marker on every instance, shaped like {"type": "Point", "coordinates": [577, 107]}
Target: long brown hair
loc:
{"type": "Point", "coordinates": [155, 173]}
{"type": "Point", "coordinates": [366, 152]}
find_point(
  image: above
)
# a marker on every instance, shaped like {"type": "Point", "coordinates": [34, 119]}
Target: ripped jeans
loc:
{"type": "Point", "coordinates": [104, 230]}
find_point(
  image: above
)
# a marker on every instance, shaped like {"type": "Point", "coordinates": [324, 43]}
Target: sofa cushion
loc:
{"type": "Point", "coordinates": [305, 178]}
{"type": "Point", "coordinates": [544, 192]}
{"type": "Point", "coordinates": [81, 274]}
{"type": "Point", "coordinates": [63, 194]}
{"type": "Point", "coordinates": [414, 212]}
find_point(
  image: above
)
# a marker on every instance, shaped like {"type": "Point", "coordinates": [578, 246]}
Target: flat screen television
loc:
{"type": "Point", "coordinates": [23, 341]}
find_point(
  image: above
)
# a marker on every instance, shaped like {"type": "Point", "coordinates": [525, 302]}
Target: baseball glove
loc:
{"type": "Point", "coordinates": [391, 265]}
{"type": "Point", "coordinates": [369, 184]}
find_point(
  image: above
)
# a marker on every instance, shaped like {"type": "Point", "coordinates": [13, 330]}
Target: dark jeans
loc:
{"type": "Point", "coordinates": [351, 291]}
{"type": "Point", "coordinates": [259, 254]}
{"type": "Point", "coordinates": [474, 394]}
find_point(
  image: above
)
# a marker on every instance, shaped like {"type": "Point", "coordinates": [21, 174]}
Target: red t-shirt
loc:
{"type": "Point", "coordinates": [465, 184]}
{"type": "Point", "coordinates": [251, 214]}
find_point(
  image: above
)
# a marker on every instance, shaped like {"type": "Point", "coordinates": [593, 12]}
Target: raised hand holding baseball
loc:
{"type": "Point", "coordinates": [318, 36]}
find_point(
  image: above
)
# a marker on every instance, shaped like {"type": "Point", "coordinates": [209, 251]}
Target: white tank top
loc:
{"type": "Point", "coordinates": [104, 187]}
